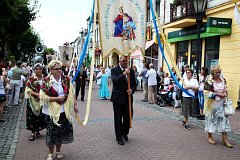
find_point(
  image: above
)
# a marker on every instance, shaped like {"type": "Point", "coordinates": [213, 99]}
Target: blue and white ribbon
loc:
{"type": "Point", "coordinates": [163, 55]}
{"type": "Point", "coordinates": [85, 45]}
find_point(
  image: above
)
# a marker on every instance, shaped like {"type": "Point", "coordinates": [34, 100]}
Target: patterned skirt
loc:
{"type": "Point", "coordinates": [34, 123]}
{"type": "Point", "coordinates": [217, 121]}
{"type": "Point", "coordinates": [56, 135]}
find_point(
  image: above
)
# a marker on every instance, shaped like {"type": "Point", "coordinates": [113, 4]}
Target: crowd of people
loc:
{"type": "Point", "coordinates": [51, 98]}
{"type": "Point", "coordinates": [210, 92]}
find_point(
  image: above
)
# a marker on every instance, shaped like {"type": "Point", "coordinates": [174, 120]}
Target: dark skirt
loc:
{"type": "Point", "coordinates": [56, 135]}
{"type": "Point", "coordinates": [34, 123]}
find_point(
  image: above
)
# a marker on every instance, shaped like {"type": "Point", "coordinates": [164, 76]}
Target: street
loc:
{"type": "Point", "coordinates": [157, 134]}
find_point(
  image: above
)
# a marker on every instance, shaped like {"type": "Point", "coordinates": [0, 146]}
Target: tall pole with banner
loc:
{"type": "Point", "coordinates": [122, 29]}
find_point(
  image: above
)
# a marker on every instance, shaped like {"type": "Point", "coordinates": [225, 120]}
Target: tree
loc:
{"type": "Point", "coordinates": [15, 27]}
{"type": "Point", "coordinates": [49, 51]}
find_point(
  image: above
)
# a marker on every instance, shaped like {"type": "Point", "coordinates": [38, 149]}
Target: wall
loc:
{"type": "Point", "coordinates": [229, 56]}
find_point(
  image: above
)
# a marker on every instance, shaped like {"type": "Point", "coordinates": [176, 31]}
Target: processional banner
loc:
{"type": "Point", "coordinates": [122, 25]}
{"type": "Point", "coordinates": [66, 54]}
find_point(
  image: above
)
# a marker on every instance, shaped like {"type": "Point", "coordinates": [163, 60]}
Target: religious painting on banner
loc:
{"type": "Point", "coordinates": [66, 54]}
{"type": "Point", "coordinates": [122, 26]}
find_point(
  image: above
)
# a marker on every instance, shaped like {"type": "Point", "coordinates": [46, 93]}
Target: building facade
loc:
{"type": "Point", "coordinates": [219, 38]}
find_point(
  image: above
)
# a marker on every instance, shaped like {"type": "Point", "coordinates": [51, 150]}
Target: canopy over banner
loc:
{"type": "Point", "coordinates": [122, 25]}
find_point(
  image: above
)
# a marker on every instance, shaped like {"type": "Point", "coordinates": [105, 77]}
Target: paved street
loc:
{"type": "Point", "coordinates": [157, 134]}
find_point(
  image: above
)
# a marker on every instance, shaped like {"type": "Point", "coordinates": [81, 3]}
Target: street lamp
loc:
{"type": "Point", "coordinates": [200, 6]}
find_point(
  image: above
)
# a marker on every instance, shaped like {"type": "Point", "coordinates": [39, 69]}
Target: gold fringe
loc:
{"type": "Point", "coordinates": [34, 104]}
{"type": "Point", "coordinates": [55, 108]}
{"type": "Point", "coordinates": [208, 103]}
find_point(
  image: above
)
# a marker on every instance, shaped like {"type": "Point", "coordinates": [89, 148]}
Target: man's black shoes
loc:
{"type": "Point", "coordinates": [120, 142]}
{"type": "Point", "coordinates": [125, 137]}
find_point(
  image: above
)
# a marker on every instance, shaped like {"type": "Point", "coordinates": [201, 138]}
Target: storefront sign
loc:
{"type": "Point", "coordinates": [219, 25]}
{"type": "Point", "coordinates": [214, 27]}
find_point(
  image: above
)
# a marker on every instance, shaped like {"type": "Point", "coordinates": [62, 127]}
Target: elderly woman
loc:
{"type": "Point", "coordinates": [35, 121]}
{"type": "Point", "coordinates": [59, 104]}
{"type": "Point", "coordinates": [215, 92]}
{"type": "Point", "coordinates": [187, 100]}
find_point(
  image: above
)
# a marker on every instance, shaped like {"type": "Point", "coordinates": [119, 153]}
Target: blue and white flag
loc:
{"type": "Point", "coordinates": [122, 25]}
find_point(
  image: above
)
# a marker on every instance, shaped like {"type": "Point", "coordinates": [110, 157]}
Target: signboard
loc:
{"type": "Point", "coordinates": [219, 25]}
{"type": "Point", "coordinates": [213, 27]}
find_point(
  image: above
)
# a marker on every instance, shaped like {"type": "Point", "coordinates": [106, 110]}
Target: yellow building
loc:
{"type": "Point", "coordinates": [220, 40]}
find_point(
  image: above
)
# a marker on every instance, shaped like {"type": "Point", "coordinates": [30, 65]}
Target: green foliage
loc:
{"type": "Point", "coordinates": [48, 51]}
{"type": "Point", "coordinates": [16, 35]}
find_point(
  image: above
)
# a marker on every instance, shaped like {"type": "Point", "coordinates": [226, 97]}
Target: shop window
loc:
{"type": "Point", "coordinates": [148, 12]}
{"type": "Point", "coordinates": [212, 51]}
{"type": "Point", "coordinates": [182, 53]}
{"type": "Point", "coordinates": [193, 57]}
{"type": "Point", "coordinates": [158, 7]}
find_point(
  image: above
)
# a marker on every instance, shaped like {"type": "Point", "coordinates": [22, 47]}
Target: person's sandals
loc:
{"type": "Point", "coordinates": [32, 137]}
{"type": "Point", "coordinates": [50, 157]}
{"type": "Point", "coordinates": [187, 127]}
{"type": "Point", "coordinates": [59, 155]}
{"type": "Point", "coordinates": [211, 141]}
{"type": "Point", "coordinates": [38, 135]}
{"type": "Point", "coordinates": [183, 123]}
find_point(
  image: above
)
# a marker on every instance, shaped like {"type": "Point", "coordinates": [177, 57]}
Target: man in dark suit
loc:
{"type": "Point", "coordinates": [120, 97]}
{"type": "Point", "coordinates": [80, 83]}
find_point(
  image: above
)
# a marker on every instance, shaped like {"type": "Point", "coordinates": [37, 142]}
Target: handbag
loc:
{"type": "Point", "coordinates": [228, 107]}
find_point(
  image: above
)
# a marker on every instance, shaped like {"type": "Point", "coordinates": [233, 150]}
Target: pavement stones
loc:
{"type": "Point", "coordinates": [157, 134]}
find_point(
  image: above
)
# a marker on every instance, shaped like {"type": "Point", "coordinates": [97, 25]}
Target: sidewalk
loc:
{"type": "Point", "coordinates": [157, 134]}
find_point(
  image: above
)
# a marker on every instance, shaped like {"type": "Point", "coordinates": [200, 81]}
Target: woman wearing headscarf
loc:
{"type": "Point", "coordinates": [59, 104]}
{"type": "Point", "coordinates": [215, 92]}
{"type": "Point", "coordinates": [35, 121]}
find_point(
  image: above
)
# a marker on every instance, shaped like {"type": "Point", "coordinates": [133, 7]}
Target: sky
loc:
{"type": "Point", "coordinates": [60, 21]}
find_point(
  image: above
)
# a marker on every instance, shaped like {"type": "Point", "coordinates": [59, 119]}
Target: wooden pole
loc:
{"type": "Point", "coordinates": [129, 97]}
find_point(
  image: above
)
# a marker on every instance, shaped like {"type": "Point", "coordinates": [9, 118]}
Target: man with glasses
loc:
{"type": "Point", "coordinates": [119, 97]}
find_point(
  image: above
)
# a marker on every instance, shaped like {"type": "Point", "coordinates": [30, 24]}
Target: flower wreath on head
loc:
{"type": "Point", "coordinates": [33, 85]}
{"type": "Point", "coordinates": [48, 91]}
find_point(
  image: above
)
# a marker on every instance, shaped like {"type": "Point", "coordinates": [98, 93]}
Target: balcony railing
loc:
{"type": "Point", "coordinates": [182, 10]}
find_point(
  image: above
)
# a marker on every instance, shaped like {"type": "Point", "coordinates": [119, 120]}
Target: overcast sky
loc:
{"type": "Point", "coordinates": [60, 21]}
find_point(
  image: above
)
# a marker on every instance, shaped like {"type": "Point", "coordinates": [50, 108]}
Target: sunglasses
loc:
{"type": "Point", "coordinates": [59, 69]}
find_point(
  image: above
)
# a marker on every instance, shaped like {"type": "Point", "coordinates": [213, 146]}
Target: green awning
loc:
{"type": "Point", "coordinates": [213, 27]}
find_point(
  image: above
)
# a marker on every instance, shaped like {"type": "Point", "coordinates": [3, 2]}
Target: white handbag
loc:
{"type": "Point", "coordinates": [228, 107]}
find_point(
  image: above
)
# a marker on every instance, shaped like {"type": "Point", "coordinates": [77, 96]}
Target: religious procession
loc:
{"type": "Point", "coordinates": [146, 79]}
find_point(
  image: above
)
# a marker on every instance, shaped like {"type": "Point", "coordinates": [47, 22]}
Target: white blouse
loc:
{"type": "Point", "coordinates": [57, 85]}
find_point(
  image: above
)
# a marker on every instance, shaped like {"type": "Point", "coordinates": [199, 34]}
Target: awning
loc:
{"type": "Point", "coordinates": [149, 43]}
{"type": "Point", "coordinates": [136, 54]}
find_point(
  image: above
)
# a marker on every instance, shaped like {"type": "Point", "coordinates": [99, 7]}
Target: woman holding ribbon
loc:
{"type": "Point", "coordinates": [187, 100]}
{"type": "Point", "coordinates": [35, 121]}
{"type": "Point", "coordinates": [59, 104]}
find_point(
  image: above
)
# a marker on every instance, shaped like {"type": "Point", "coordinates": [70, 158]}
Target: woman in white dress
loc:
{"type": "Point", "coordinates": [215, 92]}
